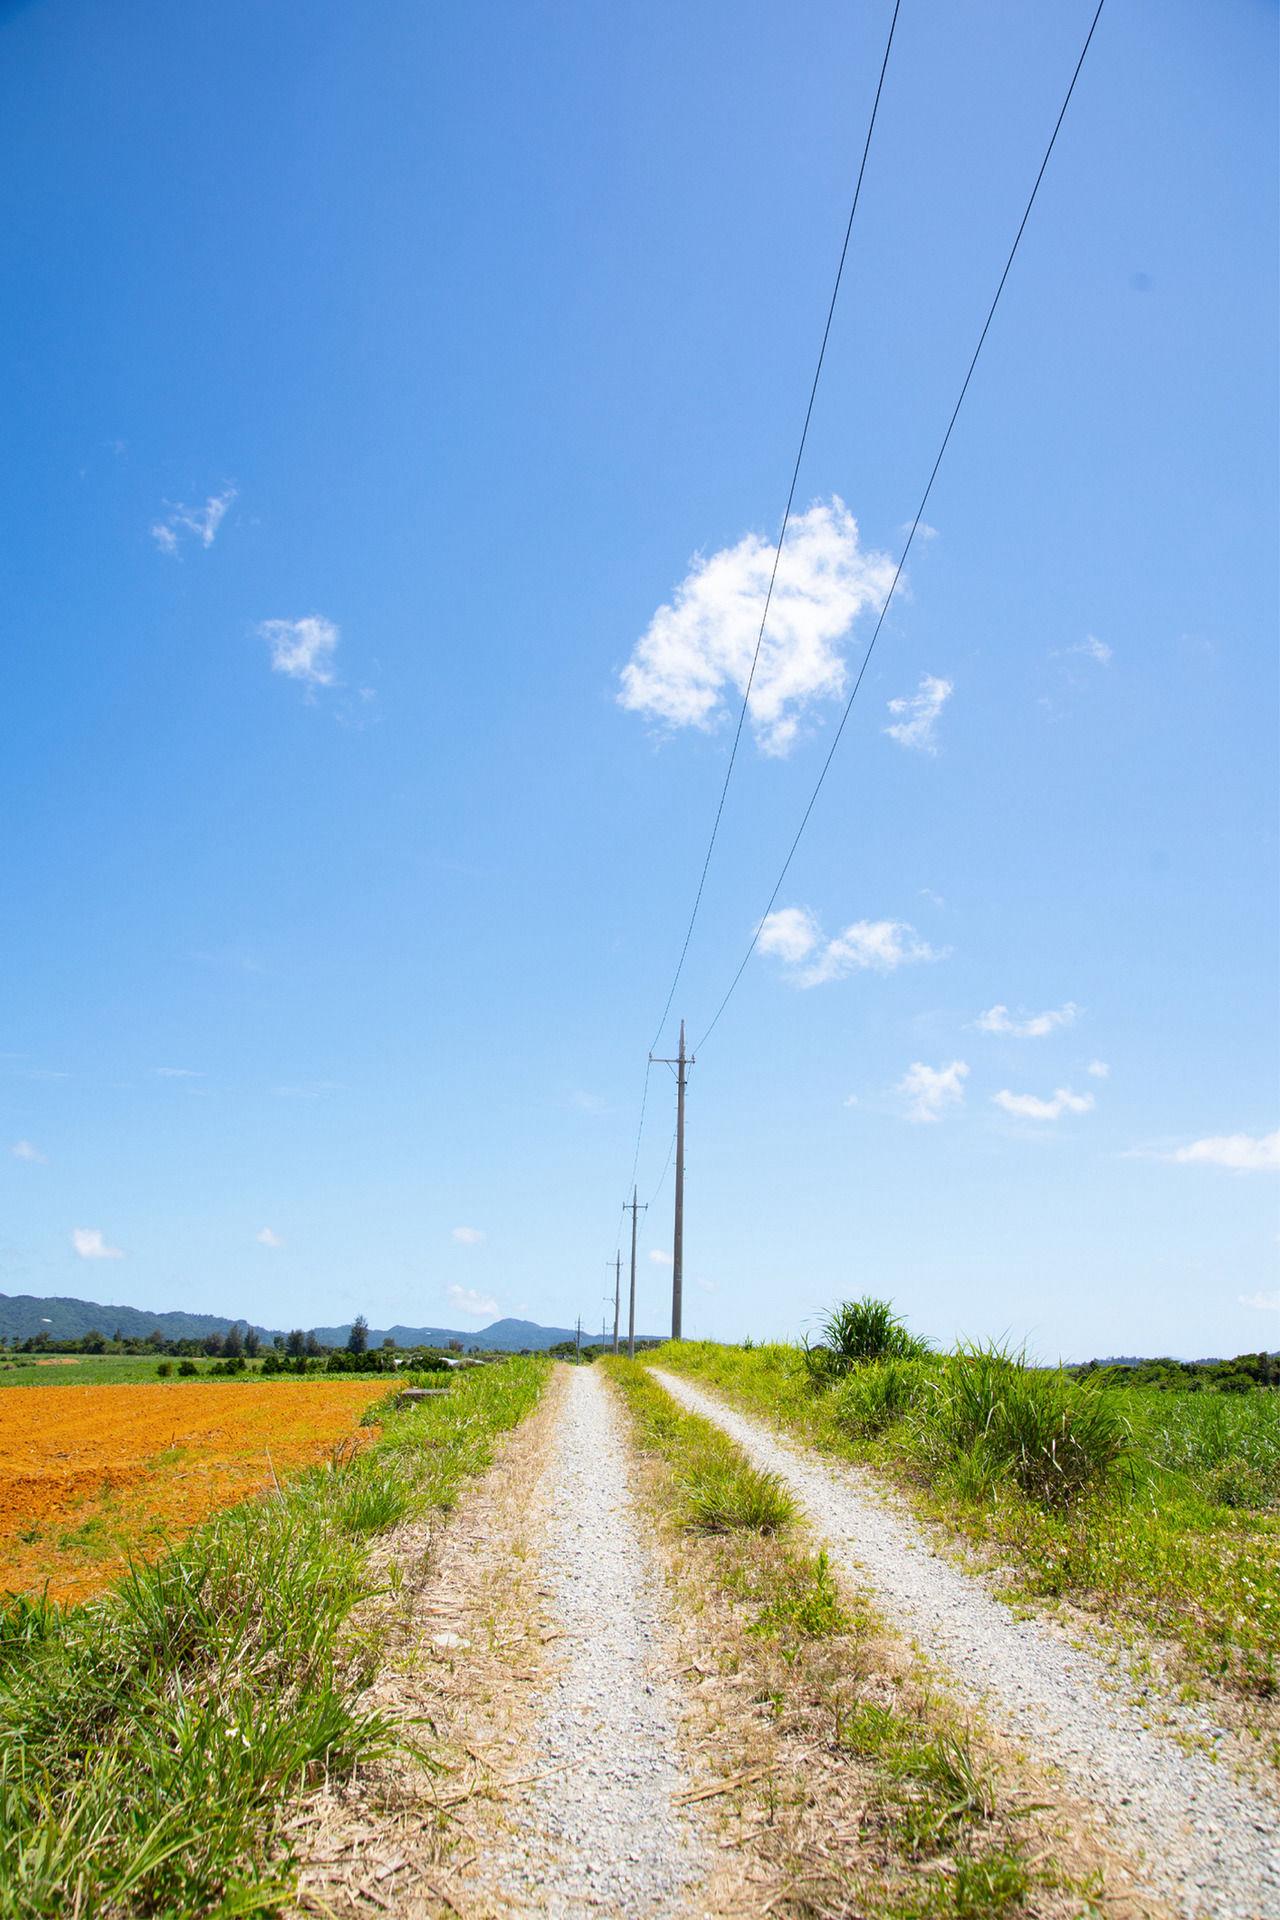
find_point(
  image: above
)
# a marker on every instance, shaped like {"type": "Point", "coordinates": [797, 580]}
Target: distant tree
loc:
{"type": "Point", "coordinates": [95, 1342]}
{"type": "Point", "coordinates": [233, 1342]}
{"type": "Point", "coordinates": [212, 1344]}
{"type": "Point", "coordinates": [187, 1368]}
{"type": "Point", "coordinates": [277, 1341]}
{"type": "Point", "coordinates": [296, 1343]}
{"type": "Point", "coordinates": [455, 1346]}
{"type": "Point", "coordinates": [389, 1342]}
{"type": "Point", "coordinates": [164, 1370]}
{"type": "Point", "coordinates": [358, 1338]}
{"type": "Point", "coordinates": [117, 1335]}
{"type": "Point", "coordinates": [312, 1345]}
{"type": "Point", "coordinates": [252, 1344]}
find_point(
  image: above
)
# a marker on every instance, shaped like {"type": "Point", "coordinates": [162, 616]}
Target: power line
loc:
{"type": "Point", "coordinates": [795, 476]}
{"type": "Point", "coordinates": [924, 499]}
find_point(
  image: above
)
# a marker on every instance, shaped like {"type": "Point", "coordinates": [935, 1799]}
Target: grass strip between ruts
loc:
{"type": "Point", "coordinates": [876, 1799]}
{"type": "Point", "coordinates": [154, 1741]}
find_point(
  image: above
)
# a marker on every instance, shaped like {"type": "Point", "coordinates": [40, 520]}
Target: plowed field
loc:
{"type": "Point", "coordinates": [89, 1474]}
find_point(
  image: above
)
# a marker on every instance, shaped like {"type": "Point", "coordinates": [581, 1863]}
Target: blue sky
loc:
{"type": "Point", "coordinates": [371, 387]}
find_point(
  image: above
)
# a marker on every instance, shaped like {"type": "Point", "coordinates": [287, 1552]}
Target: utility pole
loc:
{"type": "Point", "coordinates": [617, 1295]}
{"type": "Point", "coordinates": [577, 1338]}
{"type": "Point", "coordinates": [631, 1316]}
{"type": "Point", "coordinates": [682, 1063]}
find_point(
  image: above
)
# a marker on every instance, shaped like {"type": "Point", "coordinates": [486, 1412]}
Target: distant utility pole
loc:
{"type": "Point", "coordinates": [617, 1295]}
{"type": "Point", "coordinates": [682, 1063]}
{"type": "Point", "coordinates": [577, 1337]}
{"type": "Point", "coordinates": [631, 1316]}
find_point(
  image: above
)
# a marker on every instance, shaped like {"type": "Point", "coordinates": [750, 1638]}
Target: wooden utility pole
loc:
{"type": "Point", "coordinates": [682, 1064]}
{"type": "Point", "coordinates": [631, 1315]}
{"type": "Point", "coordinates": [577, 1337]}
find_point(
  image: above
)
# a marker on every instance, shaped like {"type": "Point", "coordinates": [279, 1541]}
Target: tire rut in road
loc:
{"type": "Point", "coordinates": [600, 1832]}
{"type": "Point", "coordinates": [1206, 1841]}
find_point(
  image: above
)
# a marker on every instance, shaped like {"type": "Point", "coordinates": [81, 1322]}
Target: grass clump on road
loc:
{"type": "Point", "coordinates": [1155, 1508]}
{"type": "Point", "coordinates": [859, 1789]}
{"type": "Point", "coordinates": [154, 1742]}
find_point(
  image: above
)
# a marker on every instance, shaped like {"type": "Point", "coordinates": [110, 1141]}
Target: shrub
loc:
{"type": "Point", "coordinates": [858, 1330]}
{"type": "Point", "coordinates": [187, 1369]}
{"type": "Point", "coordinates": [987, 1417]}
{"type": "Point", "coordinates": [726, 1496]}
{"type": "Point", "coordinates": [874, 1396]}
{"type": "Point", "coordinates": [163, 1370]}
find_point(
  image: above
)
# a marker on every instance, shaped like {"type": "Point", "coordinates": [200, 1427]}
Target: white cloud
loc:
{"type": "Point", "coordinates": [917, 726]}
{"type": "Point", "coordinates": [693, 660]}
{"type": "Point", "coordinates": [1096, 649]}
{"type": "Point", "coordinates": [795, 937]}
{"type": "Point", "coordinates": [177, 1073]}
{"type": "Point", "coordinates": [1264, 1302]}
{"type": "Point", "coordinates": [851, 1100]}
{"type": "Point", "coordinates": [588, 1102]}
{"type": "Point", "coordinates": [480, 1306]}
{"type": "Point", "coordinates": [268, 1238]}
{"type": "Point", "coordinates": [791, 933]}
{"type": "Point", "coordinates": [24, 1150]}
{"type": "Point", "coordinates": [90, 1245]}
{"type": "Point", "coordinates": [468, 1236]}
{"type": "Point", "coordinates": [1239, 1152]}
{"type": "Point", "coordinates": [929, 1091]}
{"type": "Point", "coordinates": [203, 522]}
{"type": "Point", "coordinates": [302, 649]}
{"type": "Point", "coordinates": [1099, 1069]}
{"type": "Point", "coordinates": [1035, 1026]}
{"type": "Point", "coordinates": [1028, 1107]}
{"type": "Point", "coordinates": [659, 1257]}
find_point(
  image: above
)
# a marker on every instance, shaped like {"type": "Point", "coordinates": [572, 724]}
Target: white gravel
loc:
{"type": "Point", "coordinates": [1207, 1843]}
{"type": "Point", "coordinates": [605, 1835]}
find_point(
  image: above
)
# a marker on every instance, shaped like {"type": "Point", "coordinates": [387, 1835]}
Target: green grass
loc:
{"type": "Point", "coordinates": [1157, 1509]}
{"type": "Point", "coordinates": [932, 1839]}
{"type": "Point", "coordinates": [153, 1742]}
{"type": "Point", "coordinates": [90, 1370]}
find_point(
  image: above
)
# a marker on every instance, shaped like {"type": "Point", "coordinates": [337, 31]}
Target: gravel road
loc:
{"type": "Point", "coordinates": [1206, 1842]}
{"type": "Point", "coordinates": [605, 1835]}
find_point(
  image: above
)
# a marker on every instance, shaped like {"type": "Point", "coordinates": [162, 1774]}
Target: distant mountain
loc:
{"type": "Point", "coordinates": [24, 1316]}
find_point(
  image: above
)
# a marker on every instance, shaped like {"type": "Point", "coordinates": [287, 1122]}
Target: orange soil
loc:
{"type": "Point", "coordinates": [143, 1463]}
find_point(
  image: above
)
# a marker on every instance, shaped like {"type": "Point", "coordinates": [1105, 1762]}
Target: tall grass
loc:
{"type": "Point", "coordinates": [987, 1418]}
{"type": "Point", "coordinates": [151, 1741]}
{"type": "Point", "coordinates": [857, 1331]}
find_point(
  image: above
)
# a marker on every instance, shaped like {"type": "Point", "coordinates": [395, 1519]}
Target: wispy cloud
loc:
{"type": "Point", "coordinates": [24, 1150]}
{"type": "Point", "coordinates": [177, 1073]}
{"type": "Point", "coordinates": [660, 1257]}
{"type": "Point", "coordinates": [468, 1236]}
{"type": "Point", "coordinates": [1094, 649]}
{"type": "Point", "coordinates": [200, 523]}
{"type": "Point", "coordinates": [1032, 1026]}
{"type": "Point", "coordinates": [917, 722]}
{"type": "Point", "coordinates": [693, 661]}
{"type": "Point", "coordinates": [1238, 1152]}
{"type": "Point", "coordinates": [90, 1245]}
{"type": "Point", "coordinates": [268, 1237]}
{"type": "Point", "coordinates": [1264, 1302]}
{"type": "Point", "coordinates": [478, 1306]}
{"type": "Point", "coordinates": [930, 1091]}
{"type": "Point", "coordinates": [302, 649]}
{"type": "Point", "coordinates": [1028, 1106]}
{"type": "Point", "coordinates": [1099, 1069]}
{"type": "Point", "coordinates": [851, 1100]}
{"type": "Point", "coordinates": [794, 936]}
{"type": "Point", "coordinates": [585, 1102]}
